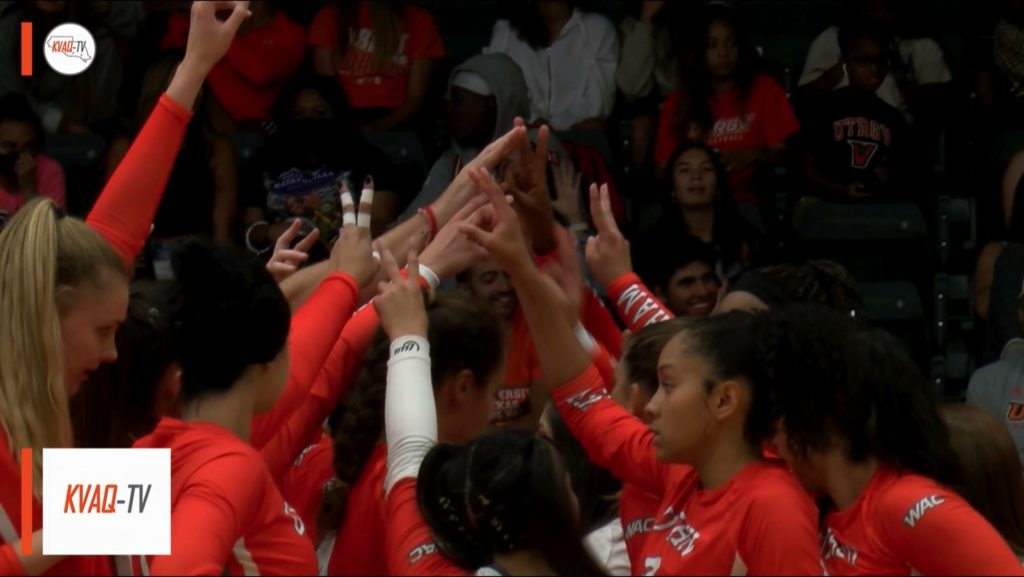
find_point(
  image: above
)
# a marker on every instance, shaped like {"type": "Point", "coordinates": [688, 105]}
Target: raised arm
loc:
{"type": "Point", "coordinates": [613, 438]}
{"type": "Point", "coordinates": [126, 207]}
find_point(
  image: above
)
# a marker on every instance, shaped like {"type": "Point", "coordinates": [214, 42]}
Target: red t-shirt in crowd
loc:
{"type": "Point", "coordinates": [367, 83]}
{"type": "Point", "coordinates": [905, 524]}
{"type": "Point", "coordinates": [764, 120]}
{"type": "Point", "coordinates": [257, 67]}
{"type": "Point", "coordinates": [522, 372]}
{"type": "Point", "coordinates": [227, 515]}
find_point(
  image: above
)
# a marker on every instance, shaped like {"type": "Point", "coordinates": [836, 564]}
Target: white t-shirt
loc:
{"type": "Point", "coordinates": [923, 57]}
{"type": "Point", "coordinates": [607, 545]}
{"type": "Point", "coordinates": [573, 79]}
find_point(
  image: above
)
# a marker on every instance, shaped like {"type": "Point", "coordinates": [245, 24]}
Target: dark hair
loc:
{"type": "Point", "coordinates": [851, 32]}
{"type": "Point", "coordinates": [834, 384]}
{"type": "Point", "coordinates": [227, 314]}
{"type": "Point", "coordinates": [695, 78]}
{"type": "Point", "coordinates": [117, 406]}
{"type": "Point", "coordinates": [689, 250]}
{"type": "Point", "coordinates": [597, 490]}
{"type": "Point", "coordinates": [525, 20]}
{"type": "Point", "coordinates": [993, 482]}
{"type": "Point", "coordinates": [463, 335]}
{"type": "Point", "coordinates": [731, 231]}
{"type": "Point", "coordinates": [643, 349]}
{"type": "Point", "coordinates": [818, 281]}
{"type": "Point", "coordinates": [503, 492]}
{"type": "Point", "coordinates": [15, 107]}
{"type": "Point", "coordinates": [729, 345]}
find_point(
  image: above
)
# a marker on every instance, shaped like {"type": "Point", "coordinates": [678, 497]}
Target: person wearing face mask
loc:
{"type": "Point", "coordinates": [315, 150]}
{"type": "Point", "coordinates": [24, 172]}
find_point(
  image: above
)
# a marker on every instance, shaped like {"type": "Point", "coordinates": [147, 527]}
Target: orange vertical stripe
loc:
{"type": "Point", "coordinates": [26, 501]}
{"type": "Point", "coordinates": [26, 49]}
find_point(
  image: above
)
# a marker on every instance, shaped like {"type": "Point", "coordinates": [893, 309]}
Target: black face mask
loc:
{"type": "Point", "coordinates": [7, 165]}
{"type": "Point", "coordinates": [317, 135]}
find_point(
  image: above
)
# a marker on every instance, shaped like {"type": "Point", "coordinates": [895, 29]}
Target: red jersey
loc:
{"type": "Point", "coordinates": [763, 120]}
{"type": "Point", "coordinates": [303, 485]}
{"type": "Point", "coordinates": [637, 510]}
{"type": "Point", "coordinates": [522, 373]}
{"type": "Point", "coordinates": [368, 83]}
{"type": "Point", "coordinates": [905, 524]}
{"type": "Point", "coordinates": [220, 484]}
{"type": "Point", "coordinates": [734, 529]}
{"type": "Point", "coordinates": [636, 304]}
{"type": "Point", "coordinates": [411, 549]}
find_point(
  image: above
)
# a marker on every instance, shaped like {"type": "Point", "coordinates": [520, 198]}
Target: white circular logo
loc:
{"type": "Point", "coordinates": [70, 49]}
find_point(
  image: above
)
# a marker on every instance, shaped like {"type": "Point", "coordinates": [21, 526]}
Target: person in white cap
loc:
{"type": "Point", "coordinates": [998, 388]}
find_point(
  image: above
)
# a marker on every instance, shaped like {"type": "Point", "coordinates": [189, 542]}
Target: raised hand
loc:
{"type": "Point", "coordinates": [567, 187]}
{"type": "Point", "coordinates": [452, 252]}
{"type": "Point", "coordinates": [608, 252]}
{"type": "Point", "coordinates": [462, 189]}
{"type": "Point", "coordinates": [353, 251]}
{"type": "Point", "coordinates": [527, 182]}
{"type": "Point", "coordinates": [400, 302]}
{"type": "Point", "coordinates": [210, 38]}
{"type": "Point", "coordinates": [286, 260]}
{"type": "Point", "coordinates": [505, 242]}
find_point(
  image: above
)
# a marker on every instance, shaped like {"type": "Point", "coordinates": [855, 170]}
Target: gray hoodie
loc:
{"type": "Point", "coordinates": [513, 99]}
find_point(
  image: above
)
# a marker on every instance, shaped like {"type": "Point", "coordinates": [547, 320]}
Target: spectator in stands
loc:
{"type": "Point", "coordinates": [687, 283]}
{"type": "Point", "coordinates": [382, 54]}
{"type": "Point", "coordinates": [568, 57]}
{"type": "Point", "coordinates": [773, 287]}
{"type": "Point", "coordinates": [77, 104]}
{"type": "Point", "coordinates": [917, 66]}
{"type": "Point", "coordinates": [202, 194]}
{"type": "Point", "coordinates": [854, 143]}
{"type": "Point", "coordinates": [315, 150]}
{"type": "Point", "coordinates": [701, 207]}
{"type": "Point", "coordinates": [484, 96]}
{"type": "Point", "coordinates": [25, 172]}
{"type": "Point", "coordinates": [997, 387]}
{"type": "Point", "coordinates": [652, 52]}
{"type": "Point", "coordinates": [725, 101]}
{"type": "Point", "coordinates": [266, 53]}
{"type": "Point", "coordinates": [993, 482]}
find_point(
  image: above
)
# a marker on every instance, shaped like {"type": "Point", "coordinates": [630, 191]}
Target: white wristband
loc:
{"type": "Point", "coordinates": [583, 336]}
{"type": "Point", "coordinates": [430, 276]}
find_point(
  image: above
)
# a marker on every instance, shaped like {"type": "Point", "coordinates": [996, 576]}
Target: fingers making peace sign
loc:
{"type": "Point", "coordinates": [608, 252]}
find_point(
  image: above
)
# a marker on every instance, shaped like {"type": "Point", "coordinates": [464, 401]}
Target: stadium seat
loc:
{"type": "Point", "coordinates": [402, 148]}
{"type": "Point", "coordinates": [752, 214]}
{"type": "Point", "coordinates": [875, 242]}
{"type": "Point", "coordinates": [247, 145]}
{"type": "Point", "coordinates": [75, 150]}
{"type": "Point", "coordinates": [896, 308]}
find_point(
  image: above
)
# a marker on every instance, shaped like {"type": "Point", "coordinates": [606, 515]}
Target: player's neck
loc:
{"type": "Point", "coordinates": [724, 459]}
{"type": "Point", "coordinates": [845, 481]}
{"type": "Point", "coordinates": [527, 562]}
{"type": "Point", "coordinates": [232, 409]}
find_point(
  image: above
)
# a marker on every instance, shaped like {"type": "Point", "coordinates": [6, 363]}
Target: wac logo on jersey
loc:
{"type": "Point", "coordinates": [916, 513]}
{"type": "Point", "coordinates": [106, 501]}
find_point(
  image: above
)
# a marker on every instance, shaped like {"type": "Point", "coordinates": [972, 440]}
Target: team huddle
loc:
{"type": "Point", "coordinates": [355, 417]}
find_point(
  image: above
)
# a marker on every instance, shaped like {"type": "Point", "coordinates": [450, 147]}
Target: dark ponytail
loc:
{"type": "Point", "coordinates": [463, 335]}
{"type": "Point", "coordinates": [504, 492]}
{"type": "Point", "coordinates": [226, 313]}
{"type": "Point", "coordinates": [833, 383]}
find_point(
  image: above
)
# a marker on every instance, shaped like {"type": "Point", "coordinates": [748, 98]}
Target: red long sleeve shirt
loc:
{"type": "Point", "coordinates": [905, 524]}
{"type": "Point", "coordinates": [733, 529]}
{"type": "Point", "coordinates": [636, 304]}
{"type": "Point", "coordinates": [227, 515]}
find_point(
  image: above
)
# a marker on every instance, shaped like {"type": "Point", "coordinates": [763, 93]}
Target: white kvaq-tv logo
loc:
{"type": "Point", "coordinates": [106, 501]}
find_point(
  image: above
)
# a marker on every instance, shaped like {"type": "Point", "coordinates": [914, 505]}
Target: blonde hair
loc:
{"type": "Point", "coordinates": [40, 251]}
